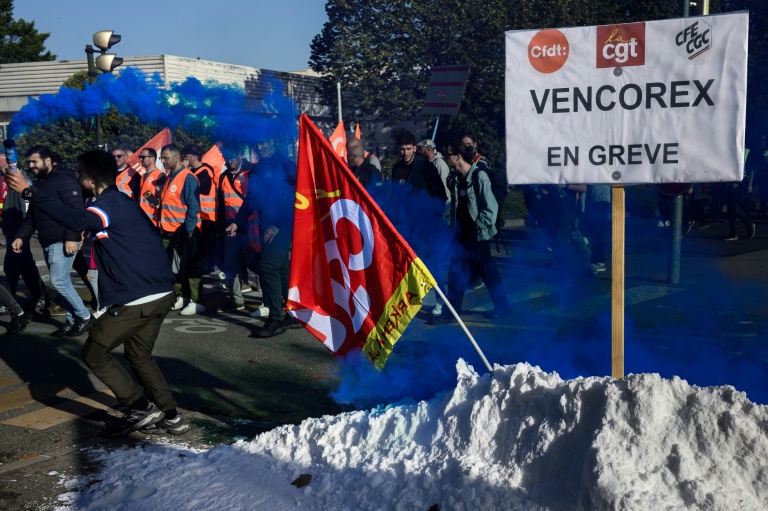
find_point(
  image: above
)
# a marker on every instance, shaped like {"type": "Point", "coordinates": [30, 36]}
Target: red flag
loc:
{"type": "Point", "coordinates": [215, 159]}
{"type": "Point", "coordinates": [157, 142]}
{"type": "Point", "coordinates": [357, 131]}
{"type": "Point", "coordinates": [339, 141]}
{"type": "Point", "coordinates": [354, 281]}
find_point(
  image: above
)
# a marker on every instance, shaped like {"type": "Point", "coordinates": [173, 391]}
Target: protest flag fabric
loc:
{"type": "Point", "coordinates": [157, 142]}
{"type": "Point", "coordinates": [354, 281]}
{"type": "Point", "coordinates": [357, 131]}
{"type": "Point", "coordinates": [339, 141]}
{"type": "Point", "coordinates": [215, 159]}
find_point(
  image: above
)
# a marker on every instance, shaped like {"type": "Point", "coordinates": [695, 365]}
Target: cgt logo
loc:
{"type": "Point", "coordinates": [696, 38]}
{"type": "Point", "coordinates": [548, 51]}
{"type": "Point", "coordinates": [621, 45]}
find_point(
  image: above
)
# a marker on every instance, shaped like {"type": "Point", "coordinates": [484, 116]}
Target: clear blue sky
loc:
{"type": "Point", "coordinates": [268, 34]}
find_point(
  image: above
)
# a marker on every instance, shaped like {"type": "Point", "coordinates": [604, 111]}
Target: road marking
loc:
{"type": "Point", "coordinates": [602, 303]}
{"type": "Point", "coordinates": [4, 382]}
{"type": "Point", "coordinates": [209, 326]}
{"type": "Point", "coordinates": [35, 393]}
{"type": "Point", "coordinates": [65, 411]}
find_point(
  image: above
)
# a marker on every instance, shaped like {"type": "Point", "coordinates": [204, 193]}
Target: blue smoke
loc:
{"type": "Point", "coordinates": [222, 112]}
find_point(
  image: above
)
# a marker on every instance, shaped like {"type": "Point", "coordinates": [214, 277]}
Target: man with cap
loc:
{"type": "Point", "coordinates": [428, 150]}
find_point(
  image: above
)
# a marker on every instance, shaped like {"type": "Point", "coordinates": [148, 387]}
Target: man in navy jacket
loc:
{"type": "Point", "coordinates": [138, 295]}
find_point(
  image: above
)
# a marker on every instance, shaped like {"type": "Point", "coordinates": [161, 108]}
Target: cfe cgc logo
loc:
{"type": "Point", "coordinates": [621, 45]}
{"type": "Point", "coordinates": [696, 38]}
{"type": "Point", "coordinates": [548, 51]}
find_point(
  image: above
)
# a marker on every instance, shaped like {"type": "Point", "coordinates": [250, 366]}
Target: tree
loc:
{"type": "Point", "coordinates": [386, 49]}
{"type": "Point", "coordinates": [19, 40]}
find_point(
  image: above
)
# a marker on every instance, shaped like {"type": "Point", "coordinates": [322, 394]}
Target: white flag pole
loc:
{"type": "Point", "coordinates": [464, 327]}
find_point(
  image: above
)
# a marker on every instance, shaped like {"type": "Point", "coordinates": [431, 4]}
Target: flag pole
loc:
{"type": "Point", "coordinates": [434, 132]}
{"type": "Point", "coordinates": [464, 327]}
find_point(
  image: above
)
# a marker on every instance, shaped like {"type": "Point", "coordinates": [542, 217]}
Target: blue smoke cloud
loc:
{"type": "Point", "coordinates": [222, 112]}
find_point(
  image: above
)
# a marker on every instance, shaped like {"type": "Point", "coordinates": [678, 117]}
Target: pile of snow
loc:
{"type": "Point", "coordinates": [518, 439]}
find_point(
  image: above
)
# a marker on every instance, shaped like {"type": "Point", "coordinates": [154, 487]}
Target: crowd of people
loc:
{"type": "Point", "coordinates": [191, 219]}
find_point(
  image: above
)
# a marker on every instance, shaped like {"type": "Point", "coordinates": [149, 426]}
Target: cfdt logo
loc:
{"type": "Point", "coordinates": [548, 51]}
{"type": "Point", "coordinates": [696, 38]}
{"type": "Point", "coordinates": [621, 45]}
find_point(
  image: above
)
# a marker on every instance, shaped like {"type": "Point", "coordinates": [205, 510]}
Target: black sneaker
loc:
{"type": "Point", "coordinates": [63, 329]}
{"type": "Point", "coordinates": [19, 323]}
{"type": "Point", "coordinates": [81, 326]}
{"type": "Point", "coordinates": [176, 426]}
{"type": "Point", "coordinates": [271, 328]}
{"type": "Point", "coordinates": [442, 319]}
{"type": "Point", "coordinates": [4, 310]}
{"type": "Point", "coordinates": [134, 420]}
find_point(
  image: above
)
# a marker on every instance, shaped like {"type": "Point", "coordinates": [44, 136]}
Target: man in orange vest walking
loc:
{"type": "Point", "coordinates": [128, 180]}
{"type": "Point", "coordinates": [192, 154]}
{"type": "Point", "coordinates": [180, 228]}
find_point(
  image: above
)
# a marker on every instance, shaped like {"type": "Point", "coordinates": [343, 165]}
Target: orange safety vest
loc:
{"type": "Point", "coordinates": [173, 212]}
{"type": "Point", "coordinates": [123, 181]}
{"type": "Point", "coordinates": [232, 194]}
{"type": "Point", "coordinates": [208, 201]}
{"type": "Point", "coordinates": [149, 184]}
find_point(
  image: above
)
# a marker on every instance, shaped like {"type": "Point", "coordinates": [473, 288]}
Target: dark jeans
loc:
{"type": "Point", "coordinates": [273, 267]}
{"type": "Point", "coordinates": [471, 260]}
{"type": "Point", "coordinates": [733, 204]}
{"type": "Point", "coordinates": [136, 327]}
{"type": "Point", "coordinates": [22, 265]}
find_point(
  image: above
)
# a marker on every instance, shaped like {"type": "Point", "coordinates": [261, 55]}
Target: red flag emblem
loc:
{"type": "Point", "coordinates": [354, 282]}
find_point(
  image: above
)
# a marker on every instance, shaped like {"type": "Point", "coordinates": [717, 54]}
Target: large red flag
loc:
{"type": "Point", "coordinates": [354, 281]}
{"type": "Point", "coordinates": [339, 141]}
{"type": "Point", "coordinates": [357, 130]}
{"type": "Point", "coordinates": [157, 142]}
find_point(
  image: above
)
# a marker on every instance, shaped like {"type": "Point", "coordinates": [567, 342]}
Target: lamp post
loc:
{"type": "Point", "coordinates": [105, 62]}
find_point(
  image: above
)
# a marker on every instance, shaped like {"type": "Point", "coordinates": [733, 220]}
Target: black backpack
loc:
{"type": "Point", "coordinates": [499, 188]}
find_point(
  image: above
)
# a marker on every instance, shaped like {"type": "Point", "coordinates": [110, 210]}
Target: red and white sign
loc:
{"type": "Point", "coordinates": [652, 102]}
{"type": "Point", "coordinates": [446, 87]}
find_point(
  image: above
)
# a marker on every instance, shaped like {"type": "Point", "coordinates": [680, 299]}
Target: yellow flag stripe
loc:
{"type": "Point", "coordinates": [401, 307]}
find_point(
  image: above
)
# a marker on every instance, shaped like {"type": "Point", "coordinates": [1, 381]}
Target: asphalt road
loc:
{"type": "Point", "coordinates": [234, 385]}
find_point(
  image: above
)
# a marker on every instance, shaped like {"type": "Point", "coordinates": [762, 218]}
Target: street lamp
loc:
{"type": "Point", "coordinates": [105, 62]}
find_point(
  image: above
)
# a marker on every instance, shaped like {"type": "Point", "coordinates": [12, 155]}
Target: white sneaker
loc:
{"type": "Point", "coordinates": [246, 289]}
{"type": "Point", "coordinates": [191, 309]}
{"type": "Point", "coordinates": [438, 309]}
{"type": "Point", "coordinates": [261, 312]}
{"type": "Point", "coordinates": [178, 304]}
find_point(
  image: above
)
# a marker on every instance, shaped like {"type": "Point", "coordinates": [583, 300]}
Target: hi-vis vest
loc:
{"type": "Point", "coordinates": [173, 212]}
{"type": "Point", "coordinates": [208, 201]}
{"type": "Point", "coordinates": [232, 193]}
{"type": "Point", "coordinates": [123, 181]}
{"type": "Point", "coordinates": [149, 184]}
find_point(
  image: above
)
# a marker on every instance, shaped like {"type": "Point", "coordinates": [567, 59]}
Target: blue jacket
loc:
{"type": "Point", "coordinates": [130, 256]}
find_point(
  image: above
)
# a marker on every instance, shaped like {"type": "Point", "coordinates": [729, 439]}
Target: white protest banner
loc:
{"type": "Point", "coordinates": [650, 102]}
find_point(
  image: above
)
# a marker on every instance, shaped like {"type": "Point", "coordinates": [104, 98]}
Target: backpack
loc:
{"type": "Point", "coordinates": [499, 188]}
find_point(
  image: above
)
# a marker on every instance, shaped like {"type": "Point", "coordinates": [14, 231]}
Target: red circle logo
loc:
{"type": "Point", "coordinates": [548, 51]}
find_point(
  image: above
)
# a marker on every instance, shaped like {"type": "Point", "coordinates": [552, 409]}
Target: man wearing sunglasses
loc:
{"type": "Point", "coordinates": [128, 180]}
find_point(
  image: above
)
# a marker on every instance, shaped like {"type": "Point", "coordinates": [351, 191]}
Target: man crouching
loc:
{"type": "Point", "coordinates": [138, 295]}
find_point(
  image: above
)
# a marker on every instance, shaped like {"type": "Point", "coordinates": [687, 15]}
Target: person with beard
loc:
{"type": "Point", "coordinates": [271, 192]}
{"type": "Point", "coordinates": [138, 295]}
{"type": "Point", "coordinates": [59, 243]}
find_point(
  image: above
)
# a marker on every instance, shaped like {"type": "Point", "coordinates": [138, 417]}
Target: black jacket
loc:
{"type": "Point", "coordinates": [130, 256]}
{"type": "Point", "coordinates": [63, 185]}
{"type": "Point", "coordinates": [420, 174]}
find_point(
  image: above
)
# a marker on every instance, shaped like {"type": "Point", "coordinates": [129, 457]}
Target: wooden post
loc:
{"type": "Point", "coordinates": [617, 282]}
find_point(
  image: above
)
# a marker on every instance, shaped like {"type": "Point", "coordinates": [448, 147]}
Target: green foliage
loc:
{"type": "Point", "coordinates": [383, 52]}
{"type": "Point", "coordinates": [19, 40]}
